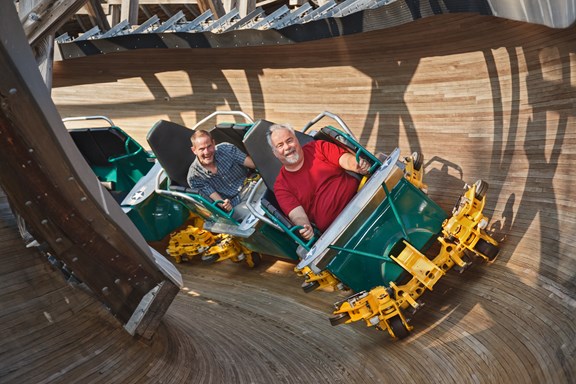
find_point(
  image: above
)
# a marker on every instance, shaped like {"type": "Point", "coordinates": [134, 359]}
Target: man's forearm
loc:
{"type": "Point", "coordinates": [299, 217]}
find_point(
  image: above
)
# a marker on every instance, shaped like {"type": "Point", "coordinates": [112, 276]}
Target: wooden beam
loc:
{"type": "Point", "coordinates": [192, 10]}
{"type": "Point", "coordinates": [166, 10]}
{"type": "Point", "coordinates": [129, 11]}
{"type": "Point", "coordinates": [47, 17]}
{"type": "Point", "coordinates": [146, 11]}
{"type": "Point", "coordinates": [156, 2]}
{"type": "Point", "coordinates": [115, 14]}
{"type": "Point", "coordinates": [215, 6]}
{"type": "Point", "coordinates": [97, 15]}
{"type": "Point", "coordinates": [44, 53]}
{"type": "Point", "coordinates": [246, 6]}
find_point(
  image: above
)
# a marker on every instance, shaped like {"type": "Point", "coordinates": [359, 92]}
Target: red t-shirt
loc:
{"type": "Point", "coordinates": [321, 186]}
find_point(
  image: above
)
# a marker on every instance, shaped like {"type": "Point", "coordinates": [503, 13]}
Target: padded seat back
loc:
{"type": "Point", "coordinates": [229, 133]}
{"type": "Point", "coordinates": [170, 142]}
{"type": "Point", "coordinates": [99, 144]}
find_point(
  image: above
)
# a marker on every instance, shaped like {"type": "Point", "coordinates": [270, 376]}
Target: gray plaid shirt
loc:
{"type": "Point", "coordinates": [230, 175]}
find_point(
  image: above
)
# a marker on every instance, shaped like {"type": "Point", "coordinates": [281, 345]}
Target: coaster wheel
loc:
{"type": "Point", "coordinates": [487, 249]}
{"type": "Point", "coordinates": [210, 259]}
{"type": "Point", "coordinates": [481, 189]}
{"type": "Point", "coordinates": [339, 318]}
{"type": "Point", "coordinates": [398, 327]}
{"type": "Point", "coordinates": [254, 259]}
{"type": "Point", "coordinates": [310, 286]}
{"type": "Point", "coordinates": [418, 160]}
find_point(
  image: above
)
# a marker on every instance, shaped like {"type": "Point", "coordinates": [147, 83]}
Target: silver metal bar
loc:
{"type": "Point", "coordinates": [115, 30]}
{"type": "Point", "coordinates": [84, 118]}
{"type": "Point", "coordinates": [218, 113]}
{"type": "Point", "coordinates": [170, 23]}
{"type": "Point", "coordinates": [280, 12]}
{"type": "Point", "coordinates": [147, 24]}
{"type": "Point", "coordinates": [88, 34]}
{"type": "Point", "coordinates": [197, 22]}
{"type": "Point", "coordinates": [332, 116]}
{"type": "Point", "coordinates": [318, 12]}
{"type": "Point", "coordinates": [292, 17]}
{"type": "Point", "coordinates": [245, 20]}
{"type": "Point", "coordinates": [222, 21]}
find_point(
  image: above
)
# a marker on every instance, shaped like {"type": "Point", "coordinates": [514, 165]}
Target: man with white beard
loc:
{"type": "Point", "coordinates": [313, 185]}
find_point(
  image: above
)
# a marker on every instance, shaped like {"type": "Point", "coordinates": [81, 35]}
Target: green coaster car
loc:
{"type": "Point", "coordinates": [389, 244]}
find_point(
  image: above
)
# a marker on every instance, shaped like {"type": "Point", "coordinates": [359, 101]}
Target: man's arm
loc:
{"type": "Point", "coordinates": [349, 163]}
{"type": "Point", "coordinates": [249, 163]}
{"type": "Point", "coordinates": [299, 217]}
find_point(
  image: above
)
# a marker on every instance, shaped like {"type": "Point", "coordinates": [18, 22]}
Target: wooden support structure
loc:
{"type": "Point", "coordinates": [46, 17]}
{"type": "Point", "coordinates": [56, 193]}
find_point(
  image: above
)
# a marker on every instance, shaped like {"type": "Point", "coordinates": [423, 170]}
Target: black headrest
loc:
{"type": "Point", "coordinates": [229, 133]}
{"type": "Point", "coordinates": [170, 142]}
{"type": "Point", "coordinates": [257, 146]}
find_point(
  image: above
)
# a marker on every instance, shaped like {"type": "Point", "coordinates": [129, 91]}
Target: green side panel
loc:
{"type": "Point", "coordinates": [270, 241]}
{"type": "Point", "coordinates": [157, 216]}
{"type": "Point", "coordinates": [422, 219]}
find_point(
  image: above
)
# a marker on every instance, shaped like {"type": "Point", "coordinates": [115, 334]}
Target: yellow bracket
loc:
{"type": "Point", "coordinates": [413, 175]}
{"type": "Point", "coordinates": [324, 279]}
{"type": "Point", "coordinates": [466, 225]}
{"type": "Point", "coordinates": [193, 241]}
{"type": "Point", "coordinates": [189, 242]}
{"type": "Point", "coordinates": [418, 265]}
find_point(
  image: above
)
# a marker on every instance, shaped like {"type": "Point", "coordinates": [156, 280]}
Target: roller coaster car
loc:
{"type": "Point", "coordinates": [128, 172]}
{"type": "Point", "coordinates": [389, 244]}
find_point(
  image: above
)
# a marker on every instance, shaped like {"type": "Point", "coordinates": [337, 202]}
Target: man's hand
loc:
{"type": "Point", "coordinates": [307, 232]}
{"type": "Point", "coordinates": [299, 217]}
{"type": "Point", "coordinates": [362, 167]}
{"type": "Point", "coordinates": [349, 163]}
{"type": "Point", "coordinates": [226, 205]}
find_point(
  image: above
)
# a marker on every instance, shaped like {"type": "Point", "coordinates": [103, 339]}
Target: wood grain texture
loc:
{"type": "Point", "coordinates": [481, 97]}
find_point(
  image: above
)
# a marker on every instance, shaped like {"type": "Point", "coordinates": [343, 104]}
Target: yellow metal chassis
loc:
{"type": "Point", "coordinates": [195, 241]}
{"type": "Point", "coordinates": [460, 234]}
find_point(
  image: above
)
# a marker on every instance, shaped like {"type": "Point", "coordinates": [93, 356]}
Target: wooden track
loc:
{"type": "Point", "coordinates": [481, 97]}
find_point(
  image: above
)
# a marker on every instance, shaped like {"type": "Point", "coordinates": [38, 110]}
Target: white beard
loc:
{"type": "Point", "coordinates": [292, 158]}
